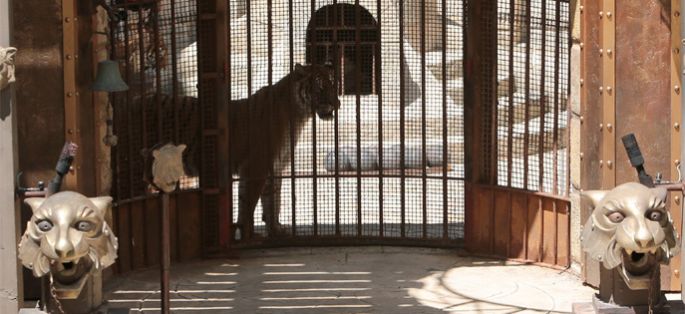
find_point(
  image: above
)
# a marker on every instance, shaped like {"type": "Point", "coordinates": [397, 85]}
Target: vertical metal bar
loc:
{"type": "Point", "coordinates": [337, 66]}
{"type": "Point", "coordinates": [424, 164]}
{"type": "Point", "coordinates": [129, 116]}
{"type": "Point", "coordinates": [445, 199]}
{"type": "Point", "coordinates": [543, 100]}
{"type": "Point", "coordinates": [143, 109]}
{"type": "Point", "coordinates": [378, 78]}
{"type": "Point", "coordinates": [174, 75]}
{"type": "Point", "coordinates": [314, 150]}
{"type": "Point", "coordinates": [165, 254]}
{"type": "Point", "coordinates": [526, 135]}
{"type": "Point", "coordinates": [358, 83]}
{"type": "Point", "coordinates": [158, 105]}
{"type": "Point", "coordinates": [510, 123]}
{"type": "Point", "coordinates": [402, 104]}
{"type": "Point", "coordinates": [229, 92]}
{"type": "Point", "coordinates": [293, 194]}
{"type": "Point", "coordinates": [557, 58]}
{"type": "Point", "coordinates": [272, 213]}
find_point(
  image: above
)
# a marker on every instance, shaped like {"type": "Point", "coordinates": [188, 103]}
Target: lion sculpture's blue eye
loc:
{"type": "Point", "coordinates": [84, 226]}
{"type": "Point", "coordinates": [654, 215]}
{"type": "Point", "coordinates": [616, 217]}
{"type": "Point", "coordinates": [44, 225]}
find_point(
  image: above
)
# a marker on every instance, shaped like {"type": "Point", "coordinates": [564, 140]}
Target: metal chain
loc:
{"type": "Point", "coordinates": [650, 292]}
{"type": "Point", "coordinates": [53, 294]}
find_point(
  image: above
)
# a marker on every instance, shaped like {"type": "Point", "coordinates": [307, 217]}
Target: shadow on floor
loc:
{"type": "Point", "coordinates": [317, 280]}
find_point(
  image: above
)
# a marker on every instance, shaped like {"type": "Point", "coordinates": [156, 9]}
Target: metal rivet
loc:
{"type": "Point", "coordinates": [68, 57]}
{"type": "Point", "coordinates": [581, 156]}
{"type": "Point", "coordinates": [683, 42]}
{"type": "Point", "coordinates": [70, 131]}
{"type": "Point", "coordinates": [677, 273]}
{"type": "Point", "coordinates": [609, 14]}
{"type": "Point", "coordinates": [676, 50]}
{"type": "Point", "coordinates": [676, 199]}
{"type": "Point", "coordinates": [608, 52]}
{"type": "Point", "coordinates": [609, 127]}
{"type": "Point", "coordinates": [676, 13]}
{"type": "Point", "coordinates": [601, 126]}
{"type": "Point", "coordinates": [601, 14]}
{"type": "Point", "coordinates": [582, 82]}
{"type": "Point", "coordinates": [581, 44]}
{"type": "Point", "coordinates": [601, 51]}
{"type": "Point", "coordinates": [676, 162]}
{"type": "Point", "coordinates": [582, 119]}
{"type": "Point", "coordinates": [676, 126]}
{"type": "Point", "coordinates": [67, 19]}
{"type": "Point", "coordinates": [76, 19]}
{"type": "Point", "coordinates": [609, 89]}
{"type": "Point", "coordinates": [601, 163]}
{"type": "Point", "coordinates": [71, 168]}
{"type": "Point", "coordinates": [69, 94]}
{"type": "Point", "coordinates": [601, 89]}
{"type": "Point", "coordinates": [676, 89]}
{"type": "Point", "coordinates": [609, 163]}
{"type": "Point", "coordinates": [581, 9]}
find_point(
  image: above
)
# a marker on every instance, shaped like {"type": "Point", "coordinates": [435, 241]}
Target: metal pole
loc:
{"type": "Point", "coordinates": [165, 257]}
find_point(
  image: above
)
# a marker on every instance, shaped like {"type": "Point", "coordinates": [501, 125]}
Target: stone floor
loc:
{"type": "Point", "coordinates": [352, 280]}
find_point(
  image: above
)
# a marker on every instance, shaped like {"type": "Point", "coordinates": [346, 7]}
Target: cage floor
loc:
{"type": "Point", "coordinates": [351, 280]}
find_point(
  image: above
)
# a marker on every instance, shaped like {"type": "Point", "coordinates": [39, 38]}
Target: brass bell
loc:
{"type": "Point", "coordinates": [108, 78]}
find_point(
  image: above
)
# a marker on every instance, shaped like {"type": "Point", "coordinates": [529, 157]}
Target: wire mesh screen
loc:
{"type": "Point", "coordinates": [390, 164]}
{"type": "Point", "coordinates": [154, 45]}
{"type": "Point", "coordinates": [532, 116]}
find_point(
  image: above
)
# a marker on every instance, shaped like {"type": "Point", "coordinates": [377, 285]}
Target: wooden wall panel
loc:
{"type": "Point", "coordinates": [520, 225]}
{"type": "Point", "coordinates": [138, 234]}
{"type": "Point", "coordinates": [534, 229]}
{"type": "Point", "coordinates": [137, 225]}
{"type": "Point", "coordinates": [123, 234]}
{"type": "Point", "coordinates": [563, 233]}
{"type": "Point", "coordinates": [502, 215]}
{"type": "Point", "coordinates": [152, 231]}
{"type": "Point", "coordinates": [482, 218]}
{"type": "Point", "coordinates": [190, 232]}
{"type": "Point", "coordinates": [549, 231]}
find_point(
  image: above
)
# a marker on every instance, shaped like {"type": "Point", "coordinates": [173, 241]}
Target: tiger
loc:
{"type": "Point", "coordinates": [260, 130]}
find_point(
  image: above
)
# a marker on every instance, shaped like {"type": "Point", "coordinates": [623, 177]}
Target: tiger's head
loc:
{"type": "Point", "coordinates": [69, 238]}
{"type": "Point", "coordinates": [317, 89]}
{"type": "Point", "coordinates": [630, 227]}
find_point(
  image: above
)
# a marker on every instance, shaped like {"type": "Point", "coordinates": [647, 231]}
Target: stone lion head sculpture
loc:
{"type": "Point", "coordinates": [167, 167]}
{"type": "Point", "coordinates": [6, 66]}
{"type": "Point", "coordinates": [69, 238]}
{"type": "Point", "coordinates": [630, 228]}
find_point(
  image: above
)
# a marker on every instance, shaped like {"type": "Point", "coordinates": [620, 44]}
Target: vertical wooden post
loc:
{"type": "Point", "coordinates": [71, 95]}
{"type": "Point", "coordinates": [480, 72]}
{"type": "Point", "coordinates": [607, 15]}
{"type": "Point", "coordinates": [675, 198]}
{"type": "Point", "coordinates": [10, 284]}
{"type": "Point", "coordinates": [681, 35]}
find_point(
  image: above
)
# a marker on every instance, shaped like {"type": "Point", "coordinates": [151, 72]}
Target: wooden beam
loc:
{"type": "Point", "coordinates": [675, 198]}
{"type": "Point", "coordinates": [70, 57]}
{"type": "Point", "coordinates": [10, 283]}
{"type": "Point", "coordinates": [607, 51]}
